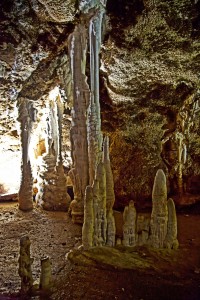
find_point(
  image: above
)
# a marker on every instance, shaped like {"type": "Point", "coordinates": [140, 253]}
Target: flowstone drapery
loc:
{"type": "Point", "coordinates": [26, 117]}
{"type": "Point", "coordinates": [51, 180]}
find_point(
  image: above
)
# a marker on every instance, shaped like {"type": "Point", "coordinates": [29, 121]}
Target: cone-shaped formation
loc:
{"type": "Point", "coordinates": [25, 262]}
{"type": "Point", "coordinates": [171, 241]}
{"type": "Point", "coordinates": [103, 224]}
{"type": "Point", "coordinates": [26, 118]}
{"type": "Point", "coordinates": [129, 227]}
{"type": "Point", "coordinates": [159, 215]}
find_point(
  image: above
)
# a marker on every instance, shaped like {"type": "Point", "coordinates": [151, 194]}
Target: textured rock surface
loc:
{"type": "Point", "coordinates": [149, 84]}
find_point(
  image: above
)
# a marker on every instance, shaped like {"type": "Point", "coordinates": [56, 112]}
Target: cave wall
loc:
{"type": "Point", "coordinates": [149, 84]}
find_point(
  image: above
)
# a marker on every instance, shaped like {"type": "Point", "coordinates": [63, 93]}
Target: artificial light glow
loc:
{"type": "Point", "coordinates": [10, 171]}
{"type": "Point", "coordinates": [54, 93]}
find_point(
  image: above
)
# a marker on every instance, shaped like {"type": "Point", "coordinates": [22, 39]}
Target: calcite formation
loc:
{"type": "Point", "coordinates": [45, 277]}
{"type": "Point", "coordinates": [25, 262]}
{"type": "Point", "coordinates": [171, 241]}
{"type": "Point", "coordinates": [27, 116]}
{"type": "Point", "coordinates": [81, 94]}
{"type": "Point", "coordinates": [99, 226]}
{"type": "Point", "coordinates": [159, 215]}
{"type": "Point", "coordinates": [51, 180]}
{"type": "Point", "coordinates": [129, 226]}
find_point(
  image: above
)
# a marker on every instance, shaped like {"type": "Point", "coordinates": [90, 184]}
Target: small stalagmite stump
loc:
{"type": "Point", "coordinates": [45, 277]}
{"type": "Point", "coordinates": [25, 262]}
{"type": "Point", "coordinates": [129, 227]}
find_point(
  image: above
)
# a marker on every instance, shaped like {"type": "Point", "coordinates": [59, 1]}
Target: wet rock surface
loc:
{"type": "Point", "coordinates": [164, 274]}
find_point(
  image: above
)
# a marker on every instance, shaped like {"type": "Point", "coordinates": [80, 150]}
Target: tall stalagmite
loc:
{"type": "Point", "coordinates": [26, 117]}
{"type": "Point", "coordinates": [159, 215]}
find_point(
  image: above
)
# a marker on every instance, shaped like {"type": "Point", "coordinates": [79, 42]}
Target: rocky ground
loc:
{"type": "Point", "coordinates": [174, 275]}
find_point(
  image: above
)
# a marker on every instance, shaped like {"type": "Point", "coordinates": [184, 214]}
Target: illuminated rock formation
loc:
{"type": "Point", "coordinates": [129, 226]}
{"type": "Point", "coordinates": [26, 117]}
{"type": "Point", "coordinates": [171, 241]}
{"type": "Point", "coordinates": [52, 190]}
{"type": "Point", "coordinates": [25, 262]}
{"type": "Point", "coordinates": [159, 215]}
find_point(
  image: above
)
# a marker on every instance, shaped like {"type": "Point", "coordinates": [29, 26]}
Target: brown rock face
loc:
{"type": "Point", "coordinates": [149, 84]}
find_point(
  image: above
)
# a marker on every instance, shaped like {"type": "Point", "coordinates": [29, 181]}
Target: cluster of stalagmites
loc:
{"type": "Point", "coordinates": [28, 286]}
{"type": "Point", "coordinates": [162, 230]}
{"type": "Point", "coordinates": [99, 224]}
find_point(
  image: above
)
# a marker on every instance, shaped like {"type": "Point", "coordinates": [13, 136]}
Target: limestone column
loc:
{"type": "Point", "coordinates": [52, 189]}
{"type": "Point", "coordinates": [81, 94]}
{"type": "Point", "coordinates": [26, 117]}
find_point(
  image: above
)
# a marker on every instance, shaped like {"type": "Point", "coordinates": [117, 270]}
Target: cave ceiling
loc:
{"type": "Point", "coordinates": [149, 83]}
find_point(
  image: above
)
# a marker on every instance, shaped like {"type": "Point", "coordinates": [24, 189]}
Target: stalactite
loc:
{"type": "Point", "coordinates": [129, 227]}
{"type": "Point", "coordinates": [26, 118]}
{"type": "Point", "coordinates": [94, 124]}
{"type": "Point", "coordinates": [171, 241]}
{"type": "Point", "coordinates": [52, 190]}
{"type": "Point", "coordinates": [159, 215]}
{"type": "Point", "coordinates": [81, 94]}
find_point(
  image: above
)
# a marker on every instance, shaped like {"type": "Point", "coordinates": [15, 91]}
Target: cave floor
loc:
{"type": "Point", "coordinates": [53, 234]}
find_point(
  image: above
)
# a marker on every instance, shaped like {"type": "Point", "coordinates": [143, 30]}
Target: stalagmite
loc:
{"type": "Point", "coordinates": [102, 214]}
{"type": "Point", "coordinates": [111, 229]}
{"type": "Point", "coordinates": [26, 117]}
{"type": "Point", "coordinates": [52, 190]}
{"type": "Point", "coordinates": [81, 94]}
{"type": "Point", "coordinates": [110, 195]}
{"type": "Point", "coordinates": [45, 277]}
{"type": "Point", "coordinates": [88, 225]}
{"type": "Point", "coordinates": [171, 241]}
{"type": "Point", "coordinates": [142, 230]}
{"type": "Point", "coordinates": [129, 227]}
{"type": "Point", "coordinates": [25, 262]}
{"type": "Point", "coordinates": [159, 215]}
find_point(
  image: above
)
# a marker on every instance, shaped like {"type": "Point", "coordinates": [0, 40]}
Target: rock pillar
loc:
{"type": "Point", "coordinates": [81, 94]}
{"type": "Point", "coordinates": [52, 189]}
{"type": "Point", "coordinates": [26, 117]}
